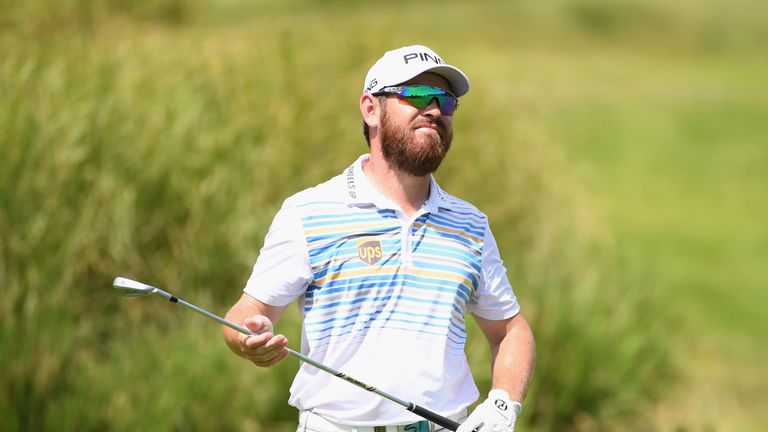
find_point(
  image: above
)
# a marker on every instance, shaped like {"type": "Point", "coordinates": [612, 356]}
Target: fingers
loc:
{"type": "Point", "coordinates": [264, 348]}
{"type": "Point", "coordinates": [258, 324]}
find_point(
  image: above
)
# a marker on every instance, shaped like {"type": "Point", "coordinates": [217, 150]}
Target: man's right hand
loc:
{"type": "Point", "coordinates": [265, 348]}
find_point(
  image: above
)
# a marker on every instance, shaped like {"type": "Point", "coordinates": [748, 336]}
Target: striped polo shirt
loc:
{"type": "Point", "coordinates": [383, 295]}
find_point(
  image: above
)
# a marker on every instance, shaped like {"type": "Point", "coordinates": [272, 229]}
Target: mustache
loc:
{"type": "Point", "coordinates": [427, 122]}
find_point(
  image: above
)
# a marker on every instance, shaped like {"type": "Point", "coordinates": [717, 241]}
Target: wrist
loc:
{"type": "Point", "coordinates": [500, 394]}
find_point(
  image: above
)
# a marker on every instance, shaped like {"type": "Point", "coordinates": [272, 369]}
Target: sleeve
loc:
{"type": "Point", "coordinates": [494, 298]}
{"type": "Point", "coordinates": [282, 271]}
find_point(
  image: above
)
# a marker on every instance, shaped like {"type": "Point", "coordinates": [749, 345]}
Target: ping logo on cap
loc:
{"type": "Point", "coordinates": [369, 251]}
{"type": "Point", "coordinates": [422, 56]}
{"type": "Point", "coordinates": [374, 82]}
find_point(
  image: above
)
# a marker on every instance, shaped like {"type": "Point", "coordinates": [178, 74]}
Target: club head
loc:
{"type": "Point", "coordinates": [132, 288]}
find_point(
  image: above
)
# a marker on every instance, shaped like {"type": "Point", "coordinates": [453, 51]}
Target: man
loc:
{"type": "Point", "coordinates": [384, 265]}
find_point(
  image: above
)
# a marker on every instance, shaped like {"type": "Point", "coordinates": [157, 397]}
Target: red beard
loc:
{"type": "Point", "coordinates": [411, 151]}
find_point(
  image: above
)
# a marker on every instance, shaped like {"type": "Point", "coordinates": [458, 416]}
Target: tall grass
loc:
{"type": "Point", "coordinates": [47, 19]}
{"type": "Point", "coordinates": [162, 152]}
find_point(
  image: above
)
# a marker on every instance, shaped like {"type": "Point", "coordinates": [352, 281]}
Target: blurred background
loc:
{"type": "Point", "coordinates": [620, 149]}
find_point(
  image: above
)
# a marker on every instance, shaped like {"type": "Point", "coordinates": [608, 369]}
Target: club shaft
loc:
{"type": "Point", "coordinates": [420, 411]}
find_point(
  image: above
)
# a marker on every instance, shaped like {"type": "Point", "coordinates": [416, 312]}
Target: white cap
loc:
{"type": "Point", "coordinates": [402, 64]}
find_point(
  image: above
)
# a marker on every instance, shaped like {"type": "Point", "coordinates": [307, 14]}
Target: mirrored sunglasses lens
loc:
{"type": "Point", "coordinates": [446, 103]}
{"type": "Point", "coordinates": [419, 102]}
{"type": "Point", "coordinates": [422, 90]}
{"type": "Point", "coordinates": [421, 96]}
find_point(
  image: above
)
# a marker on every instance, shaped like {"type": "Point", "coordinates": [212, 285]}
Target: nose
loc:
{"type": "Point", "coordinates": [433, 109]}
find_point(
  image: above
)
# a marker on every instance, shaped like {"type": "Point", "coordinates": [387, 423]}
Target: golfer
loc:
{"type": "Point", "coordinates": [385, 267]}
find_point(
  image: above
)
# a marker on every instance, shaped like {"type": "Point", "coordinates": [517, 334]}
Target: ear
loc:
{"type": "Point", "coordinates": [370, 109]}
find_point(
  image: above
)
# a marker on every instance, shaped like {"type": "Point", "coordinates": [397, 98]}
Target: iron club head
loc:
{"type": "Point", "coordinates": [132, 288]}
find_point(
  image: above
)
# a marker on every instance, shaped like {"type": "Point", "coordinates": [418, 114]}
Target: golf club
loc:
{"type": "Point", "coordinates": [132, 288]}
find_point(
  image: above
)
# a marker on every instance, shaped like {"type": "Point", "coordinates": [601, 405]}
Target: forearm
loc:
{"type": "Point", "coordinates": [513, 359]}
{"type": "Point", "coordinates": [512, 351]}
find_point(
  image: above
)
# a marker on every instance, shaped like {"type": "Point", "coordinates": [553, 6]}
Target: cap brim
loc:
{"type": "Point", "coordinates": [456, 78]}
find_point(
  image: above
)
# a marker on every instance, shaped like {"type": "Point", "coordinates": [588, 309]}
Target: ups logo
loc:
{"type": "Point", "coordinates": [369, 251]}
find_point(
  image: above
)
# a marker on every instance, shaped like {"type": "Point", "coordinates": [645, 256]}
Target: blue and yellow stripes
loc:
{"type": "Point", "coordinates": [349, 299]}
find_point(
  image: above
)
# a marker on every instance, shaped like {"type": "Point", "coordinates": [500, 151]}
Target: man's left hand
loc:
{"type": "Point", "coordinates": [495, 414]}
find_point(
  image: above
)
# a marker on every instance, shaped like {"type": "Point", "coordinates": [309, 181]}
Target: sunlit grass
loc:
{"type": "Point", "coordinates": [683, 190]}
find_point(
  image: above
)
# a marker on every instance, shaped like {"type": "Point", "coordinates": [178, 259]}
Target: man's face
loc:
{"type": "Point", "coordinates": [412, 139]}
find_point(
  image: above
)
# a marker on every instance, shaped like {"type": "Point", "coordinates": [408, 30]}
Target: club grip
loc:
{"type": "Point", "coordinates": [434, 417]}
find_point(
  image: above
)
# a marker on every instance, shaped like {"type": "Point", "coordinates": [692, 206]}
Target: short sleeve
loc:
{"type": "Point", "coordinates": [494, 298]}
{"type": "Point", "coordinates": [282, 271]}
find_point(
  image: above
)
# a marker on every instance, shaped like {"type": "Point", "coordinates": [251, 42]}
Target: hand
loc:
{"type": "Point", "coordinates": [264, 349]}
{"type": "Point", "coordinates": [495, 414]}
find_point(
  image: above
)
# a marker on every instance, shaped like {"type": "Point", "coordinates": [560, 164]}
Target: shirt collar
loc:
{"type": "Point", "coordinates": [360, 191]}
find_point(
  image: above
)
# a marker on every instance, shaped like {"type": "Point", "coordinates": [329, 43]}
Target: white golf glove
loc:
{"type": "Point", "coordinates": [495, 414]}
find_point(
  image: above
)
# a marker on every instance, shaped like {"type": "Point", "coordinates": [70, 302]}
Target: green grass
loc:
{"type": "Point", "coordinates": [618, 149]}
{"type": "Point", "coordinates": [684, 191]}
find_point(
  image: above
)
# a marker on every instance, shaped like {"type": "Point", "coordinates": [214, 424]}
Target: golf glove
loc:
{"type": "Point", "coordinates": [495, 414]}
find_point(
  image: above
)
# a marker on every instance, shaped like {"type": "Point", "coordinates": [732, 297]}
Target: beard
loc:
{"type": "Point", "coordinates": [416, 153]}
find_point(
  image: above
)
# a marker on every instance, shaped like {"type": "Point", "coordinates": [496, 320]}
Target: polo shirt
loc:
{"type": "Point", "coordinates": [383, 296]}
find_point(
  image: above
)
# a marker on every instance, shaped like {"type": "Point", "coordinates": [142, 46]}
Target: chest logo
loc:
{"type": "Point", "coordinates": [369, 251]}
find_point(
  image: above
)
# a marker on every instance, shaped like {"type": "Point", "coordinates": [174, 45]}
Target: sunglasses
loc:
{"type": "Point", "coordinates": [420, 96]}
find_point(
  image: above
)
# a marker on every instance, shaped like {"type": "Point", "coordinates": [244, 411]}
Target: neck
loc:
{"type": "Point", "coordinates": [409, 192]}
